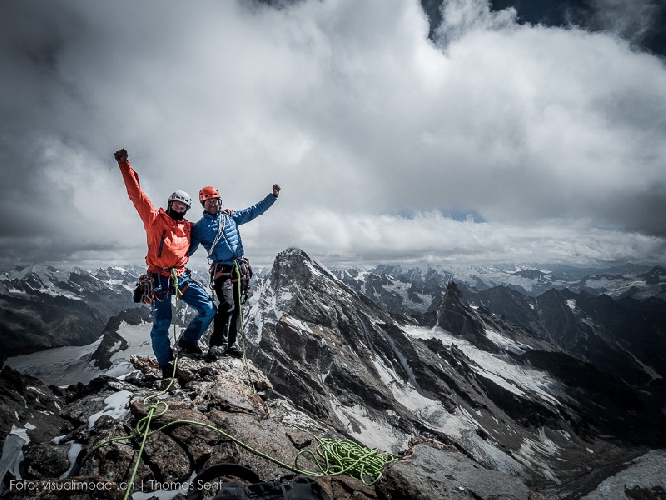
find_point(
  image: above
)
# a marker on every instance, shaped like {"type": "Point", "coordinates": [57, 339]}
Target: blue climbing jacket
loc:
{"type": "Point", "coordinates": [229, 246]}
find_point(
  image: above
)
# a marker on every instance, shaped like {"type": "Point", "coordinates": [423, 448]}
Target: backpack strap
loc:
{"type": "Point", "coordinates": [198, 485]}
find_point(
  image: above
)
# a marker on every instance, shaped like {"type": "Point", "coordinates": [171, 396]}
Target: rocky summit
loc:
{"type": "Point", "coordinates": [85, 439]}
{"type": "Point", "coordinates": [481, 398]}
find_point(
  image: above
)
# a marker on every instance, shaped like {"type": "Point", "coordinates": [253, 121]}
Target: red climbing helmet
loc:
{"type": "Point", "coordinates": [208, 193]}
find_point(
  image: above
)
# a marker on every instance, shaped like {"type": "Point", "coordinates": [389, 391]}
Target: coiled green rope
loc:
{"type": "Point", "coordinates": [334, 457]}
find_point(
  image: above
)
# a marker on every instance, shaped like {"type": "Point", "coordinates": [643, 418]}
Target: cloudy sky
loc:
{"type": "Point", "coordinates": [469, 135]}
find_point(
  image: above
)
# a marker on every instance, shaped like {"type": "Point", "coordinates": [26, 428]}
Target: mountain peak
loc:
{"type": "Point", "coordinates": [298, 266]}
{"type": "Point", "coordinates": [456, 316]}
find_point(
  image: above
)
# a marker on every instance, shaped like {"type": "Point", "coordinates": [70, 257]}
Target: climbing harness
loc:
{"type": "Point", "coordinates": [149, 289]}
{"type": "Point", "coordinates": [239, 271]}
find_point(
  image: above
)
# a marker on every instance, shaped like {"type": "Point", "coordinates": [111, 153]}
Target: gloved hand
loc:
{"type": "Point", "coordinates": [121, 155]}
{"type": "Point", "coordinates": [276, 190]}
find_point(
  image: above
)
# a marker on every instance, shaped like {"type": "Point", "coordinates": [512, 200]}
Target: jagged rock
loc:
{"type": "Point", "coordinates": [433, 474]}
{"type": "Point", "coordinates": [111, 340]}
{"type": "Point", "coordinates": [168, 457]}
{"type": "Point", "coordinates": [26, 400]}
{"type": "Point", "coordinates": [457, 317]}
{"type": "Point", "coordinates": [46, 460]}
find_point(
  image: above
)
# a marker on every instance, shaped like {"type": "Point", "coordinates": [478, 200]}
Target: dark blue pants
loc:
{"type": "Point", "coordinates": [194, 296]}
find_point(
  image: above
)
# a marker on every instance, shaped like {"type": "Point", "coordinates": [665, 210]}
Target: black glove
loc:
{"type": "Point", "coordinates": [121, 155]}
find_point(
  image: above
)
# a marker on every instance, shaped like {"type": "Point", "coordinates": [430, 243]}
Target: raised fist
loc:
{"type": "Point", "coordinates": [121, 155]}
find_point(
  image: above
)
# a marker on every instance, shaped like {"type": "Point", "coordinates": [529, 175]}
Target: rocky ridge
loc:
{"type": "Point", "coordinates": [67, 423]}
{"type": "Point", "coordinates": [43, 307]}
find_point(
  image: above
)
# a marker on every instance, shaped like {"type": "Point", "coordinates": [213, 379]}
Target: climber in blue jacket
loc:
{"type": "Point", "coordinates": [218, 232]}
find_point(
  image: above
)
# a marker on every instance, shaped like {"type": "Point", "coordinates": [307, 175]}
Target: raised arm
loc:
{"type": "Point", "coordinates": [139, 198]}
{"type": "Point", "coordinates": [251, 213]}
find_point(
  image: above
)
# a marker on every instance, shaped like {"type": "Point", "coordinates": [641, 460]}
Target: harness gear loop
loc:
{"type": "Point", "coordinates": [145, 290]}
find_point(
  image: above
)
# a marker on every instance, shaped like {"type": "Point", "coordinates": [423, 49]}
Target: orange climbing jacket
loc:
{"type": "Point", "coordinates": [168, 239]}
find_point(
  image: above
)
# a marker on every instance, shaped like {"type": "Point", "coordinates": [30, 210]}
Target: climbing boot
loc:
{"type": "Point", "coordinates": [167, 370]}
{"type": "Point", "coordinates": [234, 352]}
{"type": "Point", "coordinates": [189, 347]}
{"type": "Point", "coordinates": [214, 353]}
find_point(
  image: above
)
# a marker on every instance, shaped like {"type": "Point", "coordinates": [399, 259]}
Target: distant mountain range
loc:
{"type": "Point", "coordinates": [416, 290]}
{"type": "Point", "coordinates": [558, 391]}
{"type": "Point", "coordinates": [43, 307]}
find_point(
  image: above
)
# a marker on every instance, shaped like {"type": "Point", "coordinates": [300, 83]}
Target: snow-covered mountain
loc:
{"type": "Point", "coordinates": [553, 393]}
{"type": "Point", "coordinates": [43, 307]}
{"type": "Point", "coordinates": [416, 290]}
{"type": "Point", "coordinates": [513, 401]}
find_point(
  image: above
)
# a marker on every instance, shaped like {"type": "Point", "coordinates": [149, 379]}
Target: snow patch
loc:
{"type": "Point", "coordinates": [299, 325]}
{"type": "Point", "coordinates": [12, 456]}
{"type": "Point", "coordinates": [514, 378]}
{"type": "Point", "coordinates": [72, 454]}
{"type": "Point", "coordinates": [369, 431]}
{"type": "Point", "coordinates": [459, 426]}
{"type": "Point", "coordinates": [115, 407]}
{"type": "Point", "coordinates": [20, 432]}
{"type": "Point", "coordinates": [505, 343]}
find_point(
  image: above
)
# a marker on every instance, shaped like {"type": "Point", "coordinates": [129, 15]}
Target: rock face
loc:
{"type": "Point", "coordinates": [42, 307]}
{"type": "Point", "coordinates": [619, 346]}
{"type": "Point", "coordinates": [518, 403]}
{"type": "Point", "coordinates": [488, 401]}
{"type": "Point", "coordinates": [210, 415]}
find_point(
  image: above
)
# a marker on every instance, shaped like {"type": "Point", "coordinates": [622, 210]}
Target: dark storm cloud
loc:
{"type": "Point", "coordinates": [641, 22]}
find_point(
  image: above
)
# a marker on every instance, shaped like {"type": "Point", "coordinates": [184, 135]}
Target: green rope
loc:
{"type": "Point", "coordinates": [334, 457]}
{"type": "Point", "coordinates": [242, 325]}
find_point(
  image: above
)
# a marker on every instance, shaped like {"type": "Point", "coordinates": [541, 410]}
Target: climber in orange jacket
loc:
{"type": "Point", "coordinates": [168, 237]}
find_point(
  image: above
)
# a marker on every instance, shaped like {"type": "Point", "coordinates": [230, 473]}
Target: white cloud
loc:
{"type": "Point", "coordinates": [352, 110]}
{"type": "Point", "coordinates": [349, 238]}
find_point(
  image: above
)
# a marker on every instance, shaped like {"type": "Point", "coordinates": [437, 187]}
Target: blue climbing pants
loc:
{"type": "Point", "coordinates": [194, 296]}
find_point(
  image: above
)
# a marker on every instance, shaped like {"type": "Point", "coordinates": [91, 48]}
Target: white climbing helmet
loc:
{"type": "Point", "coordinates": [182, 197]}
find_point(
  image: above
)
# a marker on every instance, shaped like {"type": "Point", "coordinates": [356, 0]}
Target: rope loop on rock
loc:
{"type": "Point", "coordinates": [334, 457]}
